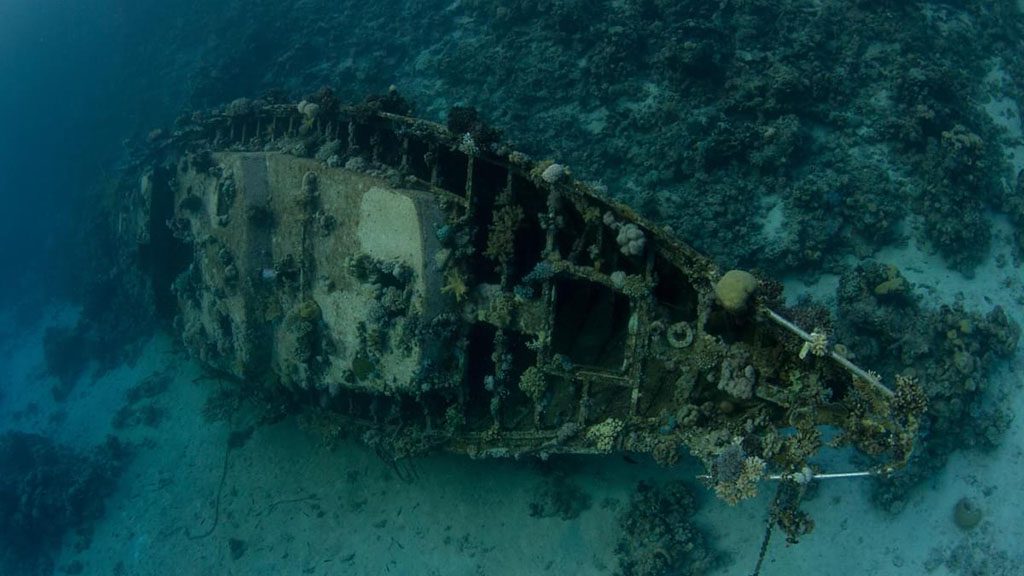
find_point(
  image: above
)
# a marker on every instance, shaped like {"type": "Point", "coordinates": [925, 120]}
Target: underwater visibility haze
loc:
{"type": "Point", "coordinates": [631, 287]}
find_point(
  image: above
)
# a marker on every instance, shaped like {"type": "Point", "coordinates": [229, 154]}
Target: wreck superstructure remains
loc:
{"type": "Point", "coordinates": [438, 290]}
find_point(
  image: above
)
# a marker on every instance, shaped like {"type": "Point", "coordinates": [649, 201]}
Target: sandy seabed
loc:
{"type": "Point", "coordinates": [291, 506]}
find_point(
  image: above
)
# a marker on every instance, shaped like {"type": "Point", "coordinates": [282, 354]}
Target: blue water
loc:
{"type": "Point", "coordinates": [799, 139]}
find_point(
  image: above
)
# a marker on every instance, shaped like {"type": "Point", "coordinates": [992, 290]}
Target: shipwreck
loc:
{"type": "Point", "coordinates": [437, 290]}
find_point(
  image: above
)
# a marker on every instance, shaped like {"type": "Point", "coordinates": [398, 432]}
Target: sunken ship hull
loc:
{"type": "Point", "coordinates": [435, 289]}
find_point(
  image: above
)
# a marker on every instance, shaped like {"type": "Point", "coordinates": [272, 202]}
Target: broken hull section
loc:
{"type": "Point", "coordinates": [439, 294]}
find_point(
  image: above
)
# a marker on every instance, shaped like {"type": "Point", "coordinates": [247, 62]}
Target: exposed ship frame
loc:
{"type": "Point", "coordinates": [527, 313]}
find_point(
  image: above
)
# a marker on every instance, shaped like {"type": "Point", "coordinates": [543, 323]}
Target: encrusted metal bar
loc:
{"type": "Point", "coordinates": [469, 192]}
{"type": "Point", "coordinates": [403, 164]}
{"type": "Point", "coordinates": [857, 371]}
{"type": "Point", "coordinates": [584, 402]}
{"type": "Point", "coordinates": [431, 159]}
{"type": "Point", "coordinates": [376, 147]}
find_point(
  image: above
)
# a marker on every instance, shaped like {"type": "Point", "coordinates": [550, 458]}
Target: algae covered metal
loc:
{"type": "Point", "coordinates": [434, 289]}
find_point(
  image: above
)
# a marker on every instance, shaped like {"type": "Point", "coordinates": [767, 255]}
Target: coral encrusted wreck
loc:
{"type": "Point", "coordinates": [429, 294]}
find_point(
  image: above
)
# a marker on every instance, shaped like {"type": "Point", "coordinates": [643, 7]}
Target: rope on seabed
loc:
{"type": "Point", "coordinates": [801, 478]}
{"type": "Point", "coordinates": [220, 490]}
{"type": "Point", "coordinates": [769, 525]}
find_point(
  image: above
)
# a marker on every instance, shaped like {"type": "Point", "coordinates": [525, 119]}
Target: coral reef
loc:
{"type": "Point", "coordinates": [559, 496]}
{"type": "Point", "coordinates": [734, 290]}
{"type": "Point", "coordinates": [694, 112]}
{"type": "Point", "coordinates": [500, 240]}
{"type": "Point", "coordinates": [769, 133]}
{"type": "Point", "coordinates": [605, 434]}
{"type": "Point", "coordinates": [735, 475]}
{"type": "Point", "coordinates": [967, 514]}
{"type": "Point", "coordinates": [323, 426]}
{"type": "Point", "coordinates": [533, 384]}
{"type": "Point", "coordinates": [948, 350]}
{"type": "Point", "coordinates": [46, 490]}
{"type": "Point", "coordinates": [738, 376]}
{"type": "Point", "coordinates": [659, 535]}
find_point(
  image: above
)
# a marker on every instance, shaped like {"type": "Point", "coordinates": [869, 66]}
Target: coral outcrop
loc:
{"type": "Point", "coordinates": [47, 490]}
{"type": "Point", "coordinates": [659, 535]}
{"type": "Point", "coordinates": [950, 351]}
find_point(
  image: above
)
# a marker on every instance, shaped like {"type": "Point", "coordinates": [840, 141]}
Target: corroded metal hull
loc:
{"type": "Point", "coordinates": [437, 290]}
